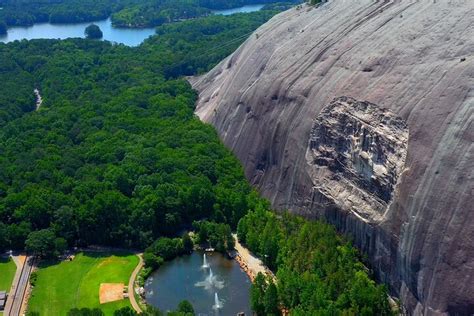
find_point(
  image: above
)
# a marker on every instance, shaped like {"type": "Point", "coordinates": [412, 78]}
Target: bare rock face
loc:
{"type": "Point", "coordinates": [361, 112]}
{"type": "Point", "coordinates": [355, 156]}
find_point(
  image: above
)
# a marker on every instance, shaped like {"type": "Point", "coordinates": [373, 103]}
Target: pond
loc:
{"type": "Point", "coordinates": [129, 37]}
{"type": "Point", "coordinates": [212, 283]}
{"type": "Point", "coordinates": [244, 9]}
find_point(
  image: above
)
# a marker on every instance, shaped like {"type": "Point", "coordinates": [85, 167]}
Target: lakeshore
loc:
{"type": "Point", "coordinates": [249, 263]}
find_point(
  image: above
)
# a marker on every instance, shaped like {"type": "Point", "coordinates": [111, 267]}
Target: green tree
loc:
{"type": "Point", "coordinates": [257, 294]}
{"type": "Point", "coordinates": [187, 243]}
{"type": "Point", "coordinates": [93, 32]}
{"type": "Point", "coordinates": [3, 237]}
{"type": "Point", "coordinates": [41, 243]}
{"type": "Point", "coordinates": [270, 300]}
{"type": "Point", "coordinates": [152, 261]}
{"type": "Point", "coordinates": [60, 245]}
{"type": "Point", "coordinates": [125, 311]}
{"type": "Point", "coordinates": [242, 230]}
{"type": "Point", "coordinates": [85, 312]}
{"type": "Point", "coordinates": [186, 307]}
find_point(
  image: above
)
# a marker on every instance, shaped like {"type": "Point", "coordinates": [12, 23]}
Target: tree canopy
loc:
{"type": "Point", "coordinates": [115, 156]}
{"type": "Point", "coordinates": [124, 13]}
{"type": "Point", "coordinates": [318, 272]}
{"type": "Point", "coordinates": [93, 32]}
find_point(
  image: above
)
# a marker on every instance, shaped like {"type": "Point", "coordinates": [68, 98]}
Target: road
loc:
{"type": "Point", "coordinates": [131, 285]}
{"type": "Point", "coordinates": [17, 297]}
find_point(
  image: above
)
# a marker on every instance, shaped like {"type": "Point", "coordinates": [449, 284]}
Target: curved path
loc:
{"type": "Point", "coordinates": [131, 285]}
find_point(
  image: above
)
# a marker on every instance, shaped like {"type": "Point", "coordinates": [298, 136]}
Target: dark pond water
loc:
{"type": "Point", "coordinates": [129, 37]}
{"type": "Point", "coordinates": [218, 288]}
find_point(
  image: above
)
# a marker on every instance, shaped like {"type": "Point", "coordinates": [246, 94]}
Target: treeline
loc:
{"type": "Point", "coordinates": [317, 271]}
{"type": "Point", "coordinates": [28, 12]}
{"type": "Point", "coordinates": [214, 235]}
{"type": "Point", "coordinates": [164, 249]}
{"type": "Point", "coordinates": [184, 308]}
{"type": "Point", "coordinates": [155, 13]}
{"type": "Point", "coordinates": [115, 155]}
{"type": "Point", "coordinates": [125, 13]}
{"type": "Point", "coordinates": [207, 234]}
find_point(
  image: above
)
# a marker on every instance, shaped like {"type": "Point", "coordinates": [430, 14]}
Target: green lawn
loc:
{"type": "Point", "coordinates": [61, 287]}
{"type": "Point", "coordinates": [7, 272]}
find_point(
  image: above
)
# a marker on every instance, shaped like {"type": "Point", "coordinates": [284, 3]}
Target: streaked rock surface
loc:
{"type": "Point", "coordinates": [414, 61]}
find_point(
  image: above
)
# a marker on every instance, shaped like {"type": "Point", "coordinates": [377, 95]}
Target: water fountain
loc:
{"type": "Point", "coordinates": [205, 265]}
{"type": "Point", "coordinates": [217, 303]}
{"type": "Point", "coordinates": [221, 276]}
{"type": "Point", "coordinates": [210, 282]}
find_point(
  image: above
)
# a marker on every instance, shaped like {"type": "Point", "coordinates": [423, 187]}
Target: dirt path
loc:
{"type": "Point", "coordinates": [131, 285]}
{"type": "Point", "coordinates": [250, 263]}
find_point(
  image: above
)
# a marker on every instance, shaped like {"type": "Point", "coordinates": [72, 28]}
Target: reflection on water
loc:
{"type": "Point", "coordinates": [222, 288]}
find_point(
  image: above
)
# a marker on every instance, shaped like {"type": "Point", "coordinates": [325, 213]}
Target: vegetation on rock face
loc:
{"type": "Point", "coordinates": [93, 32]}
{"type": "Point", "coordinates": [318, 272]}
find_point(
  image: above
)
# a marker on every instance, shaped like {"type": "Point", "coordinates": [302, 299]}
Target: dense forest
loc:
{"type": "Point", "coordinates": [317, 271]}
{"type": "Point", "coordinates": [115, 155]}
{"type": "Point", "coordinates": [125, 13]}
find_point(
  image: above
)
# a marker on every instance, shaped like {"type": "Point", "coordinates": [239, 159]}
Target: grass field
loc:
{"type": "Point", "coordinates": [7, 272]}
{"type": "Point", "coordinates": [61, 287]}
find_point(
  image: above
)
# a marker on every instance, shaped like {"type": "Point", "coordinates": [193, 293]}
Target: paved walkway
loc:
{"type": "Point", "coordinates": [131, 285]}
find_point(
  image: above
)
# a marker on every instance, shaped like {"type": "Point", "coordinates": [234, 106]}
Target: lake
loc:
{"type": "Point", "coordinates": [244, 9]}
{"type": "Point", "coordinates": [129, 37]}
{"type": "Point", "coordinates": [218, 288]}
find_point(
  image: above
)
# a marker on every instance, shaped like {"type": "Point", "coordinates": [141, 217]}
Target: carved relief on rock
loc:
{"type": "Point", "coordinates": [355, 155]}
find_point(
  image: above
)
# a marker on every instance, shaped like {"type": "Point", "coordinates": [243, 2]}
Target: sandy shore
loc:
{"type": "Point", "coordinates": [249, 262]}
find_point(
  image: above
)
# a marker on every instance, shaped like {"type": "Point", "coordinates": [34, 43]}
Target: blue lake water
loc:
{"type": "Point", "coordinates": [129, 37]}
{"type": "Point", "coordinates": [244, 9]}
